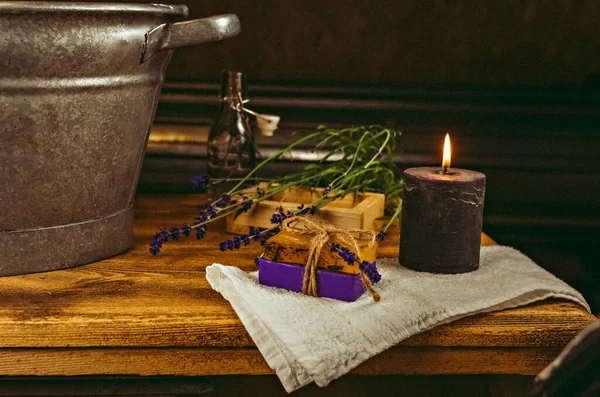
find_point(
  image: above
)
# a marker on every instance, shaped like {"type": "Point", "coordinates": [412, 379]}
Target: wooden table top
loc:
{"type": "Point", "coordinates": [135, 314]}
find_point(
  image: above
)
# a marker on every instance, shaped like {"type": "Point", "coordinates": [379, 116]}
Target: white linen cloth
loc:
{"type": "Point", "coordinates": [306, 339]}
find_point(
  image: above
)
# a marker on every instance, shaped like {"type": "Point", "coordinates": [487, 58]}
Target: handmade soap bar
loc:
{"type": "Point", "coordinates": [290, 247]}
{"type": "Point", "coordinates": [341, 286]}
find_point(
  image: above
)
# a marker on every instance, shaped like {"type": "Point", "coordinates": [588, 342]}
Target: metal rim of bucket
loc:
{"type": "Point", "coordinates": [18, 7]}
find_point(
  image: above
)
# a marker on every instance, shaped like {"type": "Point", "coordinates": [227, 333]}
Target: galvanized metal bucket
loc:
{"type": "Point", "coordinates": [79, 85]}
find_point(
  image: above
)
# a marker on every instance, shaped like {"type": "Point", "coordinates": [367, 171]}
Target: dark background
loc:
{"type": "Point", "coordinates": [514, 82]}
{"type": "Point", "coordinates": [382, 42]}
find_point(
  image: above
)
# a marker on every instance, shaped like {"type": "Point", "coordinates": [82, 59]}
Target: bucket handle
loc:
{"type": "Point", "coordinates": [198, 31]}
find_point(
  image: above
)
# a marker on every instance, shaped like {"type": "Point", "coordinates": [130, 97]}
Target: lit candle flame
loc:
{"type": "Point", "coordinates": [446, 160]}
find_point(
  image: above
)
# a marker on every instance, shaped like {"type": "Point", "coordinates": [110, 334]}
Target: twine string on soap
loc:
{"type": "Point", "coordinates": [320, 234]}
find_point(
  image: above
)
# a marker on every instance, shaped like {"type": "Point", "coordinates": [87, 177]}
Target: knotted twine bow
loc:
{"type": "Point", "coordinates": [319, 235]}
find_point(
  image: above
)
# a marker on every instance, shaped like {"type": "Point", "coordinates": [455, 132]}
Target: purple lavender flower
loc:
{"type": "Point", "coordinates": [280, 216]}
{"type": "Point", "coordinates": [370, 270]}
{"type": "Point", "coordinates": [255, 234]}
{"type": "Point", "coordinates": [268, 234]}
{"type": "Point", "coordinates": [303, 210]}
{"type": "Point", "coordinates": [235, 243]}
{"type": "Point", "coordinates": [201, 181]}
{"type": "Point", "coordinates": [246, 203]}
{"type": "Point", "coordinates": [347, 256]}
{"type": "Point", "coordinates": [276, 218]}
{"type": "Point", "coordinates": [375, 278]}
{"type": "Point", "coordinates": [364, 265]}
{"type": "Point", "coordinates": [223, 201]}
{"type": "Point", "coordinates": [186, 229]}
{"type": "Point", "coordinates": [245, 239]}
{"type": "Point", "coordinates": [344, 253]}
{"type": "Point", "coordinates": [207, 211]}
{"type": "Point", "coordinates": [248, 184]}
{"type": "Point", "coordinates": [201, 218]}
{"type": "Point", "coordinates": [175, 233]}
{"type": "Point", "coordinates": [326, 190]}
{"type": "Point", "coordinates": [164, 235]}
{"type": "Point", "coordinates": [381, 236]}
{"type": "Point", "coordinates": [200, 232]}
{"type": "Point", "coordinates": [158, 240]}
{"type": "Point", "coordinates": [260, 193]}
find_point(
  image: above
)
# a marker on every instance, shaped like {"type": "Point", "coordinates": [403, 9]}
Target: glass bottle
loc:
{"type": "Point", "coordinates": [231, 148]}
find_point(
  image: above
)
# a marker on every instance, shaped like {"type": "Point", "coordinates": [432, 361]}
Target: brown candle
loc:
{"type": "Point", "coordinates": [442, 214]}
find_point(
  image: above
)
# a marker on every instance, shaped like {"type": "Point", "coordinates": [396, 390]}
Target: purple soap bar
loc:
{"type": "Point", "coordinates": [341, 286]}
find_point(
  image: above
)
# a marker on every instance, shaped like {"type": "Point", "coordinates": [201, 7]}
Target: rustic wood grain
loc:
{"type": "Point", "coordinates": [138, 314]}
{"type": "Point", "coordinates": [249, 361]}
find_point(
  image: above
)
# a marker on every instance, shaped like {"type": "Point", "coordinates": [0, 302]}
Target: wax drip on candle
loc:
{"type": "Point", "coordinates": [446, 159]}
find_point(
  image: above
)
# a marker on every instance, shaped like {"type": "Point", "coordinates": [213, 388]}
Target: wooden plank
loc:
{"type": "Point", "coordinates": [134, 303]}
{"type": "Point", "coordinates": [204, 362]}
{"type": "Point", "coordinates": [345, 212]}
{"type": "Point", "coordinates": [143, 313]}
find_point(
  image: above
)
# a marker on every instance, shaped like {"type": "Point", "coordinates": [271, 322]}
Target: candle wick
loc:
{"type": "Point", "coordinates": [445, 170]}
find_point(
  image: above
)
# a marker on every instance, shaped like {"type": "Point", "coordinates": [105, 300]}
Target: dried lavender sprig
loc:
{"type": "Point", "coordinates": [175, 233]}
{"type": "Point", "coordinates": [158, 240]}
{"type": "Point", "coordinates": [277, 218]}
{"type": "Point", "coordinates": [208, 213]}
{"type": "Point", "coordinates": [369, 269]}
{"type": "Point", "coordinates": [223, 201]}
{"type": "Point", "coordinates": [246, 203]}
{"type": "Point", "coordinates": [201, 181]}
{"type": "Point", "coordinates": [245, 239]}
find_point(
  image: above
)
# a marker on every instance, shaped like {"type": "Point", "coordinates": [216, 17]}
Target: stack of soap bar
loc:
{"type": "Point", "coordinates": [284, 259]}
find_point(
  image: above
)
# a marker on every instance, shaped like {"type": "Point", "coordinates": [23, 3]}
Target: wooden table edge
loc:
{"type": "Point", "coordinates": [399, 360]}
